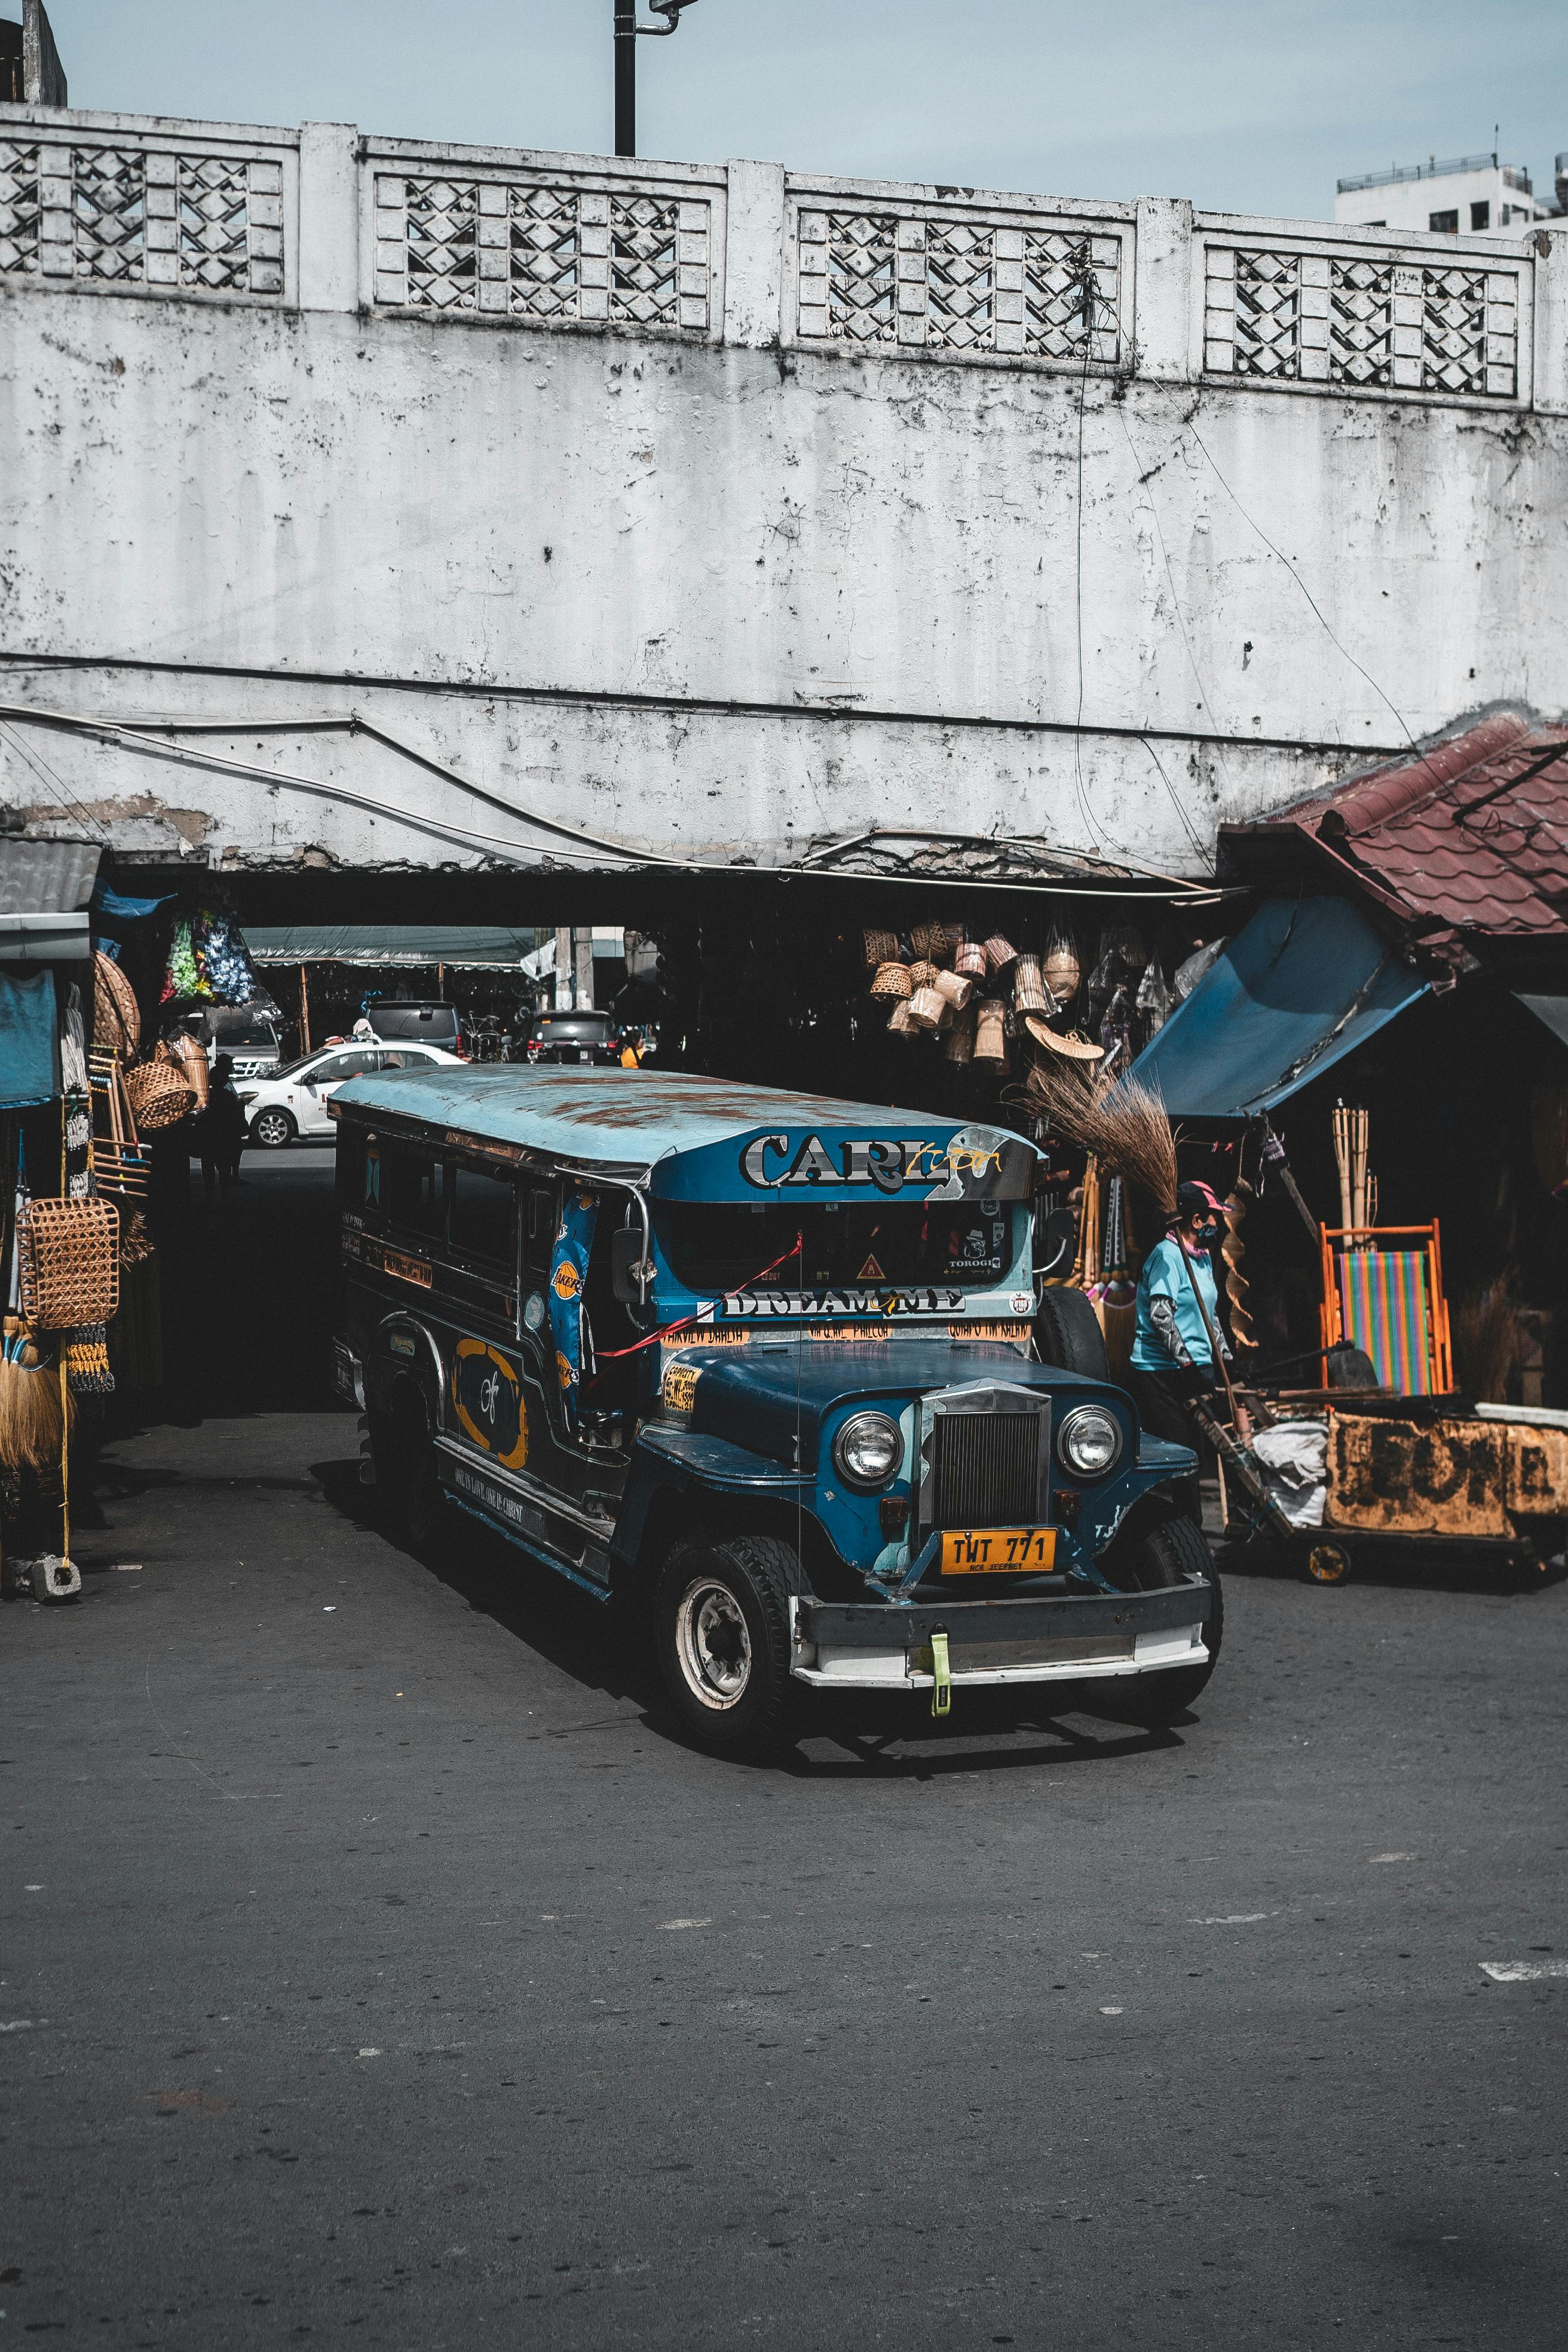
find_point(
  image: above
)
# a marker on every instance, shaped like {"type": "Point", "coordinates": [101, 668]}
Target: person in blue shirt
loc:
{"type": "Point", "coordinates": [1172, 1359]}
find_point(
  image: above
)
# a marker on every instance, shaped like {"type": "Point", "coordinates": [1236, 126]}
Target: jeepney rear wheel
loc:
{"type": "Point", "coordinates": [722, 1633]}
{"type": "Point", "coordinates": [1151, 1563]}
{"type": "Point", "coordinates": [407, 1484]}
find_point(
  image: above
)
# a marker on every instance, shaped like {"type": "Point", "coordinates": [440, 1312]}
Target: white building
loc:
{"type": "Point", "coordinates": [1468, 195]}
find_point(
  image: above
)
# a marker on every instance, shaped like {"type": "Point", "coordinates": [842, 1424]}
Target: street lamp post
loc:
{"type": "Point", "coordinates": [626, 32]}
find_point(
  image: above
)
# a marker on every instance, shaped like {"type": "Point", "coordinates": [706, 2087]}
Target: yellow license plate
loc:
{"type": "Point", "coordinates": [990, 1551]}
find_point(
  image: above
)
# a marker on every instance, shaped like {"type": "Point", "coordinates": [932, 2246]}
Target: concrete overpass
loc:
{"type": "Point", "coordinates": [376, 507]}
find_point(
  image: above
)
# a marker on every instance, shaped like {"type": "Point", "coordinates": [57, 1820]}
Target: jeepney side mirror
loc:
{"type": "Point", "coordinates": [631, 1273]}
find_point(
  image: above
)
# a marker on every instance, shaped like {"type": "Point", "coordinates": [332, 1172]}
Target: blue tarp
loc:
{"type": "Point", "coordinates": [30, 1057]}
{"type": "Point", "coordinates": [1304, 982]}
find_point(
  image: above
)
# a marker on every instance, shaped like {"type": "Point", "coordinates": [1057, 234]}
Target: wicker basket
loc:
{"type": "Point", "coordinates": [891, 979]}
{"type": "Point", "coordinates": [957, 989]}
{"type": "Point", "coordinates": [882, 947]}
{"type": "Point", "coordinates": [899, 1019]}
{"type": "Point", "coordinates": [991, 1032]}
{"type": "Point", "coordinates": [68, 1256]}
{"type": "Point", "coordinates": [116, 1021]}
{"type": "Point", "coordinates": [926, 1008]}
{"type": "Point", "coordinates": [186, 1059]}
{"type": "Point", "coordinates": [160, 1097]}
{"type": "Point", "coordinates": [1028, 987]}
{"type": "Point", "coordinates": [1061, 974]}
{"type": "Point", "coordinates": [922, 974]}
{"type": "Point", "coordinates": [960, 1047]}
{"type": "Point", "coordinates": [920, 940]}
{"type": "Point", "coordinates": [1001, 955]}
{"type": "Point", "coordinates": [970, 959]}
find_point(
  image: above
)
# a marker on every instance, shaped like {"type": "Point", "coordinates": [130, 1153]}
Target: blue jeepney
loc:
{"type": "Point", "coordinates": [773, 1368]}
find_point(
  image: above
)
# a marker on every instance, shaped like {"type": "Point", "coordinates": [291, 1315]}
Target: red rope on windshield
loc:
{"type": "Point", "coordinates": [609, 1355]}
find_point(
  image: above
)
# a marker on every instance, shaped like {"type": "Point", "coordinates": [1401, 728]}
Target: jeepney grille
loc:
{"type": "Point", "coordinates": [987, 1469]}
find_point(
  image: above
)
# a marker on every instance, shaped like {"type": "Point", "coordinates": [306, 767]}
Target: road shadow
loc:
{"type": "Point", "coordinates": [602, 1647]}
{"type": "Point", "coordinates": [1443, 1566]}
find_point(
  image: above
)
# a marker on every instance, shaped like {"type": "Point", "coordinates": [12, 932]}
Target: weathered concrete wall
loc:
{"type": "Point", "coordinates": [731, 590]}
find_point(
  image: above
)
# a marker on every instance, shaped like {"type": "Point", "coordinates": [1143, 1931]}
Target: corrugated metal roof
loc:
{"type": "Point", "coordinates": [1470, 836]}
{"type": "Point", "coordinates": [46, 877]}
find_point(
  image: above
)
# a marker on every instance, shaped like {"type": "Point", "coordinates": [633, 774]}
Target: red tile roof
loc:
{"type": "Point", "coordinates": [1471, 836]}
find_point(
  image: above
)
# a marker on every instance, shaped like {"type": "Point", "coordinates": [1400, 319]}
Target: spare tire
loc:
{"type": "Point", "coordinates": [1068, 1334]}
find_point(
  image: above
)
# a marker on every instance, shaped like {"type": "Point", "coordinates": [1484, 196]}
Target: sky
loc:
{"type": "Point", "coordinates": [1253, 108]}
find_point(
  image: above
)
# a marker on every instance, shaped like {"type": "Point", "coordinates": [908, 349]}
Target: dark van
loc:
{"type": "Point", "coordinates": [769, 1363]}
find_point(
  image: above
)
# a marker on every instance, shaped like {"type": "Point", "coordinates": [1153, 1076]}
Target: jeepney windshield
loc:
{"type": "Point", "coordinates": [713, 1246]}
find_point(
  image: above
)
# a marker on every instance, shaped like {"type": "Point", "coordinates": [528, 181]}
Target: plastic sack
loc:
{"type": "Point", "coordinates": [1294, 1456]}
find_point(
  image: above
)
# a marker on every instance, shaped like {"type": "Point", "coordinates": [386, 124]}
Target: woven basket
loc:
{"type": "Point", "coordinates": [1029, 987]}
{"type": "Point", "coordinates": [882, 947]}
{"type": "Point", "coordinates": [991, 1032]}
{"type": "Point", "coordinates": [892, 979]}
{"type": "Point", "coordinates": [954, 987]}
{"type": "Point", "coordinates": [920, 940]}
{"type": "Point", "coordinates": [1061, 974]}
{"type": "Point", "coordinates": [970, 959]}
{"type": "Point", "coordinates": [899, 1019]}
{"type": "Point", "coordinates": [186, 1059]}
{"type": "Point", "coordinates": [1001, 955]}
{"type": "Point", "coordinates": [116, 1023]}
{"type": "Point", "coordinates": [960, 1047]}
{"type": "Point", "coordinates": [926, 1008]}
{"type": "Point", "coordinates": [68, 1256]}
{"type": "Point", "coordinates": [160, 1097]}
{"type": "Point", "coordinates": [922, 974]}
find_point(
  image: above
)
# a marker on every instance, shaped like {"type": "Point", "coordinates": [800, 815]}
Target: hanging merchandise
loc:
{"type": "Point", "coordinates": [86, 1350]}
{"type": "Point", "coordinates": [68, 1259]}
{"type": "Point", "coordinates": [116, 1018]}
{"type": "Point", "coordinates": [1061, 970]}
{"type": "Point", "coordinates": [1126, 944]}
{"type": "Point", "coordinates": [1189, 972]}
{"type": "Point", "coordinates": [568, 1273]}
{"type": "Point", "coordinates": [181, 976]}
{"type": "Point", "coordinates": [1029, 993]}
{"type": "Point", "coordinates": [960, 1045]}
{"type": "Point", "coordinates": [899, 1020]}
{"type": "Point", "coordinates": [1152, 1000]}
{"type": "Point", "coordinates": [31, 1427]}
{"type": "Point", "coordinates": [1001, 955]}
{"type": "Point", "coordinates": [1115, 1028]}
{"type": "Point", "coordinates": [927, 1005]}
{"type": "Point", "coordinates": [891, 979]}
{"type": "Point", "coordinates": [953, 989]}
{"type": "Point", "coordinates": [1075, 1046]}
{"type": "Point", "coordinates": [159, 1095]}
{"type": "Point", "coordinates": [970, 959]}
{"type": "Point", "coordinates": [73, 1044]}
{"type": "Point", "coordinates": [221, 961]}
{"type": "Point", "coordinates": [882, 947]}
{"type": "Point", "coordinates": [188, 1061]}
{"type": "Point", "coordinates": [991, 1033]}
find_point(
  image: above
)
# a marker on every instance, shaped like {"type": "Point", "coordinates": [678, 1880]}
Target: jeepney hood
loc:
{"type": "Point", "coordinates": [774, 1393]}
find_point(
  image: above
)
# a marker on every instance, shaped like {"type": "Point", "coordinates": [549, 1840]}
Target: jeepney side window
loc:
{"type": "Point", "coordinates": [543, 1215]}
{"type": "Point", "coordinates": [351, 1143]}
{"type": "Point", "coordinates": [412, 1190]}
{"type": "Point", "coordinates": [483, 1213]}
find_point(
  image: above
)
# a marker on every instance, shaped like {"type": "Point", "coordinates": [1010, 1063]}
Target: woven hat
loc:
{"type": "Point", "coordinates": [1075, 1048]}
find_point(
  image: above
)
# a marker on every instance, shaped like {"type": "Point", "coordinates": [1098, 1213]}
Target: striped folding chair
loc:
{"type": "Point", "coordinates": [1390, 1304]}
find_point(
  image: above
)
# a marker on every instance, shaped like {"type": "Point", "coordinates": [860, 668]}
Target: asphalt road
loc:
{"type": "Point", "coordinates": [379, 1969]}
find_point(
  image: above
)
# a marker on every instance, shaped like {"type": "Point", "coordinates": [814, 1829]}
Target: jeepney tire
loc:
{"type": "Point", "coordinates": [1068, 1334]}
{"type": "Point", "coordinates": [408, 1500]}
{"type": "Point", "coordinates": [751, 1576]}
{"type": "Point", "coordinates": [1175, 1549]}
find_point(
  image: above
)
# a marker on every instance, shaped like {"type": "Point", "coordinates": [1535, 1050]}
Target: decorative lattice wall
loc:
{"type": "Point", "coordinates": [132, 216]}
{"type": "Point", "coordinates": [1369, 322]}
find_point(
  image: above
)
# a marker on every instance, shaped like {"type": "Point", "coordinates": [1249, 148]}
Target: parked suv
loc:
{"type": "Point", "coordinates": [583, 1036]}
{"type": "Point", "coordinates": [293, 1104]}
{"type": "Point", "coordinates": [428, 1024]}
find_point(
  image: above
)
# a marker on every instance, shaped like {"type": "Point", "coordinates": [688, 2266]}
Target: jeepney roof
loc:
{"type": "Point", "coordinates": [608, 1119]}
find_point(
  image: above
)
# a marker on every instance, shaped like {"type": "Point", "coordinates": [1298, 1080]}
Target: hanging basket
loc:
{"type": "Point", "coordinates": [926, 1008]}
{"type": "Point", "coordinates": [116, 1021]}
{"type": "Point", "coordinates": [68, 1258]}
{"type": "Point", "coordinates": [922, 974]}
{"type": "Point", "coordinates": [1028, 987]}
{"type": "Point", "coordinates": [891, 979]}
{"type": "Point", "coordinates": [960, 1047]}
{"type": "Point", "coordinates": [1001, 955]}
{"type": "Point", "coordinates": [899, 1019]}
{"type": "Point", "coordinates": [954, 987]}
{"type": "Point", "coordinates": [187, 1061]}
{"type": "Point", "coordinates": [970, 960]}
{"type": "Point", "coordinates": [991, 1032]}
{"type": "Point", "coordinates": [882, 947]}
{"type": "Point", "coordinates": [159, 1097]}
{"type": "Point", "coordinates": [1061, 972]}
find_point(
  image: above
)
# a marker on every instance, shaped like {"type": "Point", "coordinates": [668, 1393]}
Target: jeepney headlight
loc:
{"type": "Point", "coordinates": [1090, 1441]}
{"type": "Point", "coordinates": [868, 1450]}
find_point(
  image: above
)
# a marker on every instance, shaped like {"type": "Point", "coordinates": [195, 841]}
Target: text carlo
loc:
{"type": "Point", "coordinates": [888, 1163]}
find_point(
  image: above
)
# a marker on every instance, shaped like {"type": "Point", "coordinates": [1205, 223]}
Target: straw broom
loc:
{"type": "Point", "coordinates": [31, 1424]}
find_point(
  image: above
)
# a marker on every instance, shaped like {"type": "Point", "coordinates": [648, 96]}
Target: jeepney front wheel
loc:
{"type": "Point", "coordinates": [1153, 1561]}
{"type": "Point", "coordinates": [721, 1631]}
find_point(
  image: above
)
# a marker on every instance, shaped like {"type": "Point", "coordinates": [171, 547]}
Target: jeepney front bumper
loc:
{"type": "Point", "coordinates": [865, 1645]}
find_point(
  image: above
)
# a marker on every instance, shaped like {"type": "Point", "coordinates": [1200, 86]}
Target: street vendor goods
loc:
{"type": "Point", "coordinates": [68, 1259]}
{"type": "Point", "coordinates": [770, 1366]}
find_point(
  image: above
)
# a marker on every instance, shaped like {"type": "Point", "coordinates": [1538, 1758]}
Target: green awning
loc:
{"type": "Point", "coordinates": [477, 945]}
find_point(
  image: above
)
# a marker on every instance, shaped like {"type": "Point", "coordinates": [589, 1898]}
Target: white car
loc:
{"type": "Point", "coordinates": [293, 1104]}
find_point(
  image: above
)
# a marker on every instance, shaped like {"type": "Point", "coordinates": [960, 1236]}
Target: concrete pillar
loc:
{"type": "Point", "coordinates": [1163, 325]}
{"type": "Point", "coordinates": [562, 968]}
{"type": "Point", "coordinates": [753, 254]}
{"type": "Point", "coordinates": [329, 216]}
{"type": "Point", "coordinates": [583, 970]}
{"type": "Point", "coordinates": [1551, 320]}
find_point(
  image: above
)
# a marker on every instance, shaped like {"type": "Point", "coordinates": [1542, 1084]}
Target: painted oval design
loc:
{"type": "Point", "coordinates": [488, 1400]}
